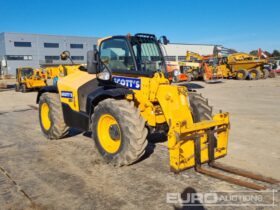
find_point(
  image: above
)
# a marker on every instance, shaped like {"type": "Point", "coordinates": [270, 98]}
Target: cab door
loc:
{"type": "Point", "coordinates": [117, 54]}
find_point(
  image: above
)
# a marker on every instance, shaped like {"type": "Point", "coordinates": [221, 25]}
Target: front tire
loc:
{"type": "Point", "coordinates": [23, 88]}
{"type": "Point", "coordinates": [175, 79]}
{"type": "Point", "coordinates": [51, 116]}
{"type": "Point", "coordinates": [200, 108]}
{"type": "Point", "coordinates": [119, 131]}
{"type": "Point", "coordinates": [272, 74]}
{"type": "Point", "coordinates": [17, 87]}
{"type": "Point", "coordinates": [190, 77]}
{"type": "Point", "coordinates": [241, 74]}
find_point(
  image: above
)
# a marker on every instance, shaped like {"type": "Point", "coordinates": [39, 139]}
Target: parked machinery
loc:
{"type": "Point", "coordinates": [61, 70]}
{"type": "Point", "coordinates": [241, 66]}
{"type": "Point", "coordinates": [54, 72]}
{"type": "Point", "coordinates": [174, 73]}
{"type": "Point", "coordinates": [244, 66]}
{"type": "Point", "coordinates": [198, 67]}
{"type": "Point", "coordinates": [28, 78]}
{"type": "Point", "coordinates": [122, 94]}
{"type": "Point", "coordinates": [276, 66]}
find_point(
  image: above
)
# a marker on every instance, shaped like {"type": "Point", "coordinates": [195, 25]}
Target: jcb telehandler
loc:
{"type": "Point", "coordinates": [121, 94]}
{"type": "Point", "coordinates": [29, 78]}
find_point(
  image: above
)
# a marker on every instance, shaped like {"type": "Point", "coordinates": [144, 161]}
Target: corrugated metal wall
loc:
{"type": "Point", "coordinates": [38, 51]}
{"type": "Point", "coordinates": [179, 50]}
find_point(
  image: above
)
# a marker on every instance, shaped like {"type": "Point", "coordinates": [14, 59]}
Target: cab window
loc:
{"type": "Point", "coordinates": [116, 55]}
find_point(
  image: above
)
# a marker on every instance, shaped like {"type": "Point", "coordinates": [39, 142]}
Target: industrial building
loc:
{"type": "Point", "coordinates": [35, 50]}
{"type": "Point", "coordinates": [177, 51]}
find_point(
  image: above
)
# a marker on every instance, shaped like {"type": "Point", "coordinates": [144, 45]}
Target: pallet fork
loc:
{"type": "Point", "coordinates": [228, 169]}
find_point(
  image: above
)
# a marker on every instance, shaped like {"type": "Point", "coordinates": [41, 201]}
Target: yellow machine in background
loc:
{"type": "Point", "coordinates": [61, 70]}
{"type": "Point", "coordinates": [28, 78]}
{"type": "Point", "coordinates": [122, 94]}
{"type": "Point", "coordinates": [192, 66]}
{"type": "Point", "coordinates": [174, 73]}
{"type": "Point", "coordinates": [243, 66]}
{"type": "Point", "coordinates": [54, 72]}
{"type": "Point", "coordinates": [197, 67]}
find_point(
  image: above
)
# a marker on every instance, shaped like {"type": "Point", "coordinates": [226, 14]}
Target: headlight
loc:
{"type": "Point", "coordinates": [176, 73]}
{"type": "Point", "coordinates": [104, 75]}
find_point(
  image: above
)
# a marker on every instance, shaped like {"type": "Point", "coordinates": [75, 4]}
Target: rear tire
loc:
{"type": "Point", "coordinates": [241, 74]}
{"type": "Point", "coordinates": [56, 127]}
{"type": "Point", "coordinates": [131, 127]}
{"type": "Point", "coordinates": [265, 74]}
{"type": "Point", "coordinates": [190, 77]}
{"type": "Point", "coordinates": [272, 74]}
{"type": "Point", "coordinates": [195, 74]}
{"type": "Point", "coordinates": [255, 74]}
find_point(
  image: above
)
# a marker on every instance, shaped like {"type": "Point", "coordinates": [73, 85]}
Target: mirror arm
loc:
{"type": "Point", "coordinates": [71, 60]}
{"type": "Point", "coordinates": [99, 61]}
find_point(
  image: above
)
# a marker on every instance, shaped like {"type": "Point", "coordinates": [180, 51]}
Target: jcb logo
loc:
{"type": "Point", "coordinates": [129, 82]}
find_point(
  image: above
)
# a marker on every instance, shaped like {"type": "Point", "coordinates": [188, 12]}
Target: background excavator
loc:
{"type": "Point", "coordinates": [199, 67]}
{"type": "Point", "coordinates": [122, 94]}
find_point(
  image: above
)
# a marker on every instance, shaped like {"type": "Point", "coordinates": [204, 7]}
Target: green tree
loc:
{"type": "Point", "coordinates": [275, 53]}
{"type": "Point", "coordinates": [254, 52]}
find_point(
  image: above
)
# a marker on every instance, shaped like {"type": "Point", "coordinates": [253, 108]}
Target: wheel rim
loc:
{"type": "Point", "coordinates": [45, 119]}
{"type": "Point", "coordinates": [108, 132]}
{"type": "Point", "coordinates": [253, 75]}
{"type": "Point", "coordinates": [240, 75]}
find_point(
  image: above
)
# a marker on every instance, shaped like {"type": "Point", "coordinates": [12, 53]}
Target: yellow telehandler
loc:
{"type": "Point", "coordinates": [28, 78]}
{"type": "Point", "coordinates": [122, 93]}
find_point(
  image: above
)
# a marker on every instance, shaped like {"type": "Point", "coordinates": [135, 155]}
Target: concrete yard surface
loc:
{"type": "Point", "coordinates": [36, 173]}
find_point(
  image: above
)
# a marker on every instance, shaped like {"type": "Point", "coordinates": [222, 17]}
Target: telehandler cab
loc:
{"type": "Point", "coordinates": [121, 93]}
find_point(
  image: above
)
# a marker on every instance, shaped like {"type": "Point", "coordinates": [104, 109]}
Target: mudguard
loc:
{"type": "Point", "coordinates": [103, 92]}
{"type": "Point", "coordinates": [46, 89]}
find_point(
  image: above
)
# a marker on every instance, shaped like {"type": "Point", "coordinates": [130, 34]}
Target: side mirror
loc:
{"type": "Point", "coordinates": [92, 61]}
{"type": "Point", "coordinates": [65, 55]}
{"type": "Point", "coordinates": [165, 40]}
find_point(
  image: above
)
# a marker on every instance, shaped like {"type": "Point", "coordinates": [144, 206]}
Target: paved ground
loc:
{"type": "Point", "coordinates": [68, 174]}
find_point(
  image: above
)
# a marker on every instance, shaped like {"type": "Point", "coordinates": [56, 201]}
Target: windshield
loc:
{"type": "Point", "coordinates": [27, 72]}
{"type": "Point", "coordinates": [147, 53]}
